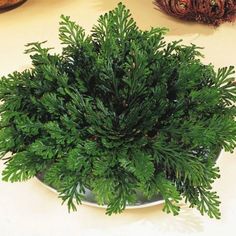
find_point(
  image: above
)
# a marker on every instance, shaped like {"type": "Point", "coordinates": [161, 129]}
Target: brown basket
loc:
{"type": "Point", "coordinates": [4, 4]}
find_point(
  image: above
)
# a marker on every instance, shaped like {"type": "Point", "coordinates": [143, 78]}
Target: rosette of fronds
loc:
{"type": "Point", "coordinates": [212, 12]}
{"type": "Point", "coordinates": [118, 112]}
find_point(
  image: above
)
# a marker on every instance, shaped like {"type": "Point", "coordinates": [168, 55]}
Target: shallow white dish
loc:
{"type": "Point", "coordinates": [89, 199]}
{"type": "Point", "coordinates": [142, 202]}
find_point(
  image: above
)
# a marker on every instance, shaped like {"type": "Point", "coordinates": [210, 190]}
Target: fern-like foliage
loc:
{"type": "Point", "coordinates": [119, 112]}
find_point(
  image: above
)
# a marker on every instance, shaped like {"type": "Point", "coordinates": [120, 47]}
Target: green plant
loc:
{"type": "Point", "coordinates": [119, 111]}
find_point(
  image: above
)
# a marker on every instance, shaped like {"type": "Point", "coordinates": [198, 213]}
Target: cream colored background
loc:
{"type": "Point", "coordinates": [28, 209]}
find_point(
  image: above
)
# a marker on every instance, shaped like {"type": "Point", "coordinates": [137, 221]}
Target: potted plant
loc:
{"type": "Point", "coordinates": [212, 12]}
{"type": "Point", "coordinates": [119, 112]}
{"type": "Point", "coordinates": [8, 4]}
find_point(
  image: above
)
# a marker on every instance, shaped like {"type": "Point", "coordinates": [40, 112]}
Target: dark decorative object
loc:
{"type": "Point", "coordinates": [9, 4]}
{"type": "Point", "coordinates": [206, 11]}
{"type": "Point", "coordinates": [118, 112]}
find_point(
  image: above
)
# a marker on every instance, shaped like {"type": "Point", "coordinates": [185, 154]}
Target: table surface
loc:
{"type": "Point", "coordinates": [29, 209]}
